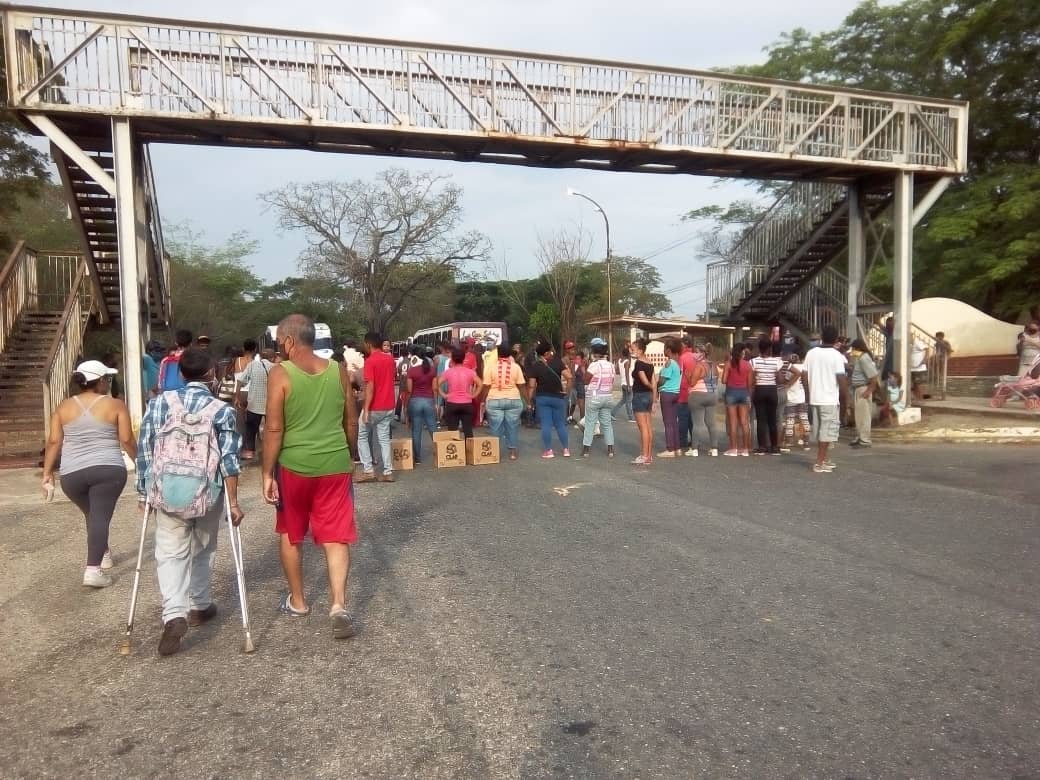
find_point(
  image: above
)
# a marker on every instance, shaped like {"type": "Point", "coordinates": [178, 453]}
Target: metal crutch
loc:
{"type": "Point", "coordinates": [235, 535]}
{"type": "Point", "coordinates": [124, 649]}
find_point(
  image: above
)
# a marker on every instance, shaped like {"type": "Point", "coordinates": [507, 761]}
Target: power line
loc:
{"type": "Point", "coordinates": [669, 247]}
{"type": "Point", "coordinates": [656, 250]}
{"type": "Point", "coordinates": [681, 287]}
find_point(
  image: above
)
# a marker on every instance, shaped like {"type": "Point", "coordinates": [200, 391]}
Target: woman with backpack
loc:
{"type": "Point", "coordinates": [89, 432]}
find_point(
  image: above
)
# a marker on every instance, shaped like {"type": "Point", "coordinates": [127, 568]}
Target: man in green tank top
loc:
{"type": "Point", "coordinates": [310, 431]}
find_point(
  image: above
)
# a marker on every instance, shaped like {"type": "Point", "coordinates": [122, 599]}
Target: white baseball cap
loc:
{"type": "Point", "coordinates": [94, 369]}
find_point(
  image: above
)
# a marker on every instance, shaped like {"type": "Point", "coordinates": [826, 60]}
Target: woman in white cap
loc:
{"type": "Point", "coordinates": [87, 432]}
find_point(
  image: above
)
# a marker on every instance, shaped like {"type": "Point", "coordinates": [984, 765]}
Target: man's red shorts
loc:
{"type": "Point", "coordinates": [323, 504]}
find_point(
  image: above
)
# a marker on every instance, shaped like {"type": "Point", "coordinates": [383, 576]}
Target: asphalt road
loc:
{"type": "Point", "coordinates": [700, 618]}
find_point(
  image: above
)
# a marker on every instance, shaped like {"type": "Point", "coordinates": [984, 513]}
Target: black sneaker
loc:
{"type": "Point", "coordinates": [173, 631]}
{"type": "Point", "coordinates": [196, 617]}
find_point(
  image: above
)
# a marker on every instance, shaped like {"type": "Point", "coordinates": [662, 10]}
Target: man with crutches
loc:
{"type": "Point", "coordinates": [187, 473]}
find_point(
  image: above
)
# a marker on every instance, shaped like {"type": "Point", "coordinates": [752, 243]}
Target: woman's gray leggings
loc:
{"type": "Point", "coordinates": [95, 491]}
{"type": "Point", "coordinates": [702, 412]}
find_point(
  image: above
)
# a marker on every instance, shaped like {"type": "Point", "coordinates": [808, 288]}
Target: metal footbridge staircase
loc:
{"type": "Point", "coordinates": [781, 267]}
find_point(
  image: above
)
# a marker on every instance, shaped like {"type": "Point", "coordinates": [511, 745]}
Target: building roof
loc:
{"type": "Point", "coordinates": [657, 323]}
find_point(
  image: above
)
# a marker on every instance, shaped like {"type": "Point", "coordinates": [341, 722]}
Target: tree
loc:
{"type": "Point", "coordinates": [979, 242]}
{"type": "Point", "coordinates": [42, 220]}
{"type": "Point", "coordinates": [544, 323]}
{"type": "Point", "coordinates": [23, 170]}
{"type": "Point", "coordinates": [300, 295]}
{"type": "Point", "coordinates": [211, 286]}
{"type": "Point", "coordinates": [634, 286]}
{"type": "Point", "coordinates": [562, 256]}
{"type": "Point", "coordinates": [387, 243]}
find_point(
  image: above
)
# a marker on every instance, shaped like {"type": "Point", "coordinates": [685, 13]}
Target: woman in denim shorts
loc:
{"type": "Point", "coordinates": [737, 376]}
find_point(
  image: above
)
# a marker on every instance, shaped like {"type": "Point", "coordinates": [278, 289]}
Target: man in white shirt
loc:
{"type": "Point", "coordinates": [825, 368]}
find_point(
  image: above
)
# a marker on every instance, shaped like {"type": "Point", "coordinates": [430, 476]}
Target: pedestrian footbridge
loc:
{"type": "Point", "coordinates": [102, 87]}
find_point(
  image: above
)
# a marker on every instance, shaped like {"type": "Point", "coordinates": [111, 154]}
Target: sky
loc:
{"type": "Point", "coordinates": [214, 190]}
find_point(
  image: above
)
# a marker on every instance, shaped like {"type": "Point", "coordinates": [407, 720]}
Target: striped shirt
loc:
{"type": "Point", "coordinates": [765, 369]}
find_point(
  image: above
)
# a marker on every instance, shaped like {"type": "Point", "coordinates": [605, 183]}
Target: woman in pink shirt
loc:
{"type": "Point", "coordinates": [459, 386]}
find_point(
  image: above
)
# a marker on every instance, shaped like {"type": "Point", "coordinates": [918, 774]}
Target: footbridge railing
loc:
{"type": "Point", "coordinates": [784, 226]}
{"type": "Point", "coordinates": [523, 105]}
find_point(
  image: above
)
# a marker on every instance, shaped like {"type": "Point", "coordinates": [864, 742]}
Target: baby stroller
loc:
{"type": "Point", "coordinates": [1025, 388]}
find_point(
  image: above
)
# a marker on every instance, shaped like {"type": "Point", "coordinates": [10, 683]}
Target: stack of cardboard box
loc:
{"type": "Point", "coordinates": [449, 451]}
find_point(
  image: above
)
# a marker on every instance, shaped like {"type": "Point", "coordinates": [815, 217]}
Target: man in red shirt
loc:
{"type": "Point", "coordinates": [378, 409]}
{"type": "Point", "coordinates": [470, 361]}
{"type": "Point", "coordinates": [687, 359]}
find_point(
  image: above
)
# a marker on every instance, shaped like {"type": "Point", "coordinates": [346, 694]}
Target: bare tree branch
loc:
{"type": "Point", "coordinates": [370, 237]}
{"type": "Point", "coordinates": [560, 256]}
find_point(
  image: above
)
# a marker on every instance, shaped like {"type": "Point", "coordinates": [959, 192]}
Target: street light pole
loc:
{"type": "Point", "coordinates": [610, 313]}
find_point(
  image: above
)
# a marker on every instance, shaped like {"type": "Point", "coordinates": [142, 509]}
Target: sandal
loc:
{"type": "Point", "coordinates": [286, 608]}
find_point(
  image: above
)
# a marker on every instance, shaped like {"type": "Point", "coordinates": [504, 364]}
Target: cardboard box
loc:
{"type": "Point", "coordinates": [449, 453]}
{"type": "Point", "coordinates": [402, 454]}
{"type": "Point", "coordinates": [482, 450]}
{"type": "Point", "coordinates": [447, 436]}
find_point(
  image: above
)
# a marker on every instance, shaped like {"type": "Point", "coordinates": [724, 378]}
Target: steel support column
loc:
{"type": "Point", "coordinates": [902, 260]}
{"type": "Point", "coordinates": [129, 232]}
{"type": "Point", "coordinates": [857, 258]}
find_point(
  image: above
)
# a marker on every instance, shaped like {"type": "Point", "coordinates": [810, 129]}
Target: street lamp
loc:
{"type": "Point", "coordinates": [610, 314]}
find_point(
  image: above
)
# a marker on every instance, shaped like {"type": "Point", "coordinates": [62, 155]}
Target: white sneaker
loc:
{"type": "Point", "coordinates": [692, 453]}
{"type": "Point", "coordinates": [714, 453]}
{"type": "Point", "coordinates": [95, 578]}
{"type": "Point", "coordinates": [106, 560]}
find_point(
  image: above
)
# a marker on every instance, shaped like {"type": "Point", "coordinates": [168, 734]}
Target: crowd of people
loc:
{"type": "Point", "coordinates": [320, 425]}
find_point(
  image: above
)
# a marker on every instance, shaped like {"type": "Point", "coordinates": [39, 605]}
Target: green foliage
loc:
{"type": "Point", "coordinates": [529, 310]}
{"type": "Point", "coordinates": [979, 242]}
{"type": "Point", "coordinates": [739, 213]}
{"type": "Point", "coordinates": [23, 170]}
{"type": "Point", "coordinates": [984, 51]}
{"type": "Point", "coordinates": [41, 220]}
{"type": "Point", "coordinates": [988, 236]}
{"type": "Point", "coordinates": [211, 286]}
{"type": "Point", "coordinates": [634, 289]}
{"type": "Point", "coordinates": [317, 299]}
{"type": "Point", "coordinates": [215, 291]}
{"type": "Point", "coordinates": [544, 323]}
